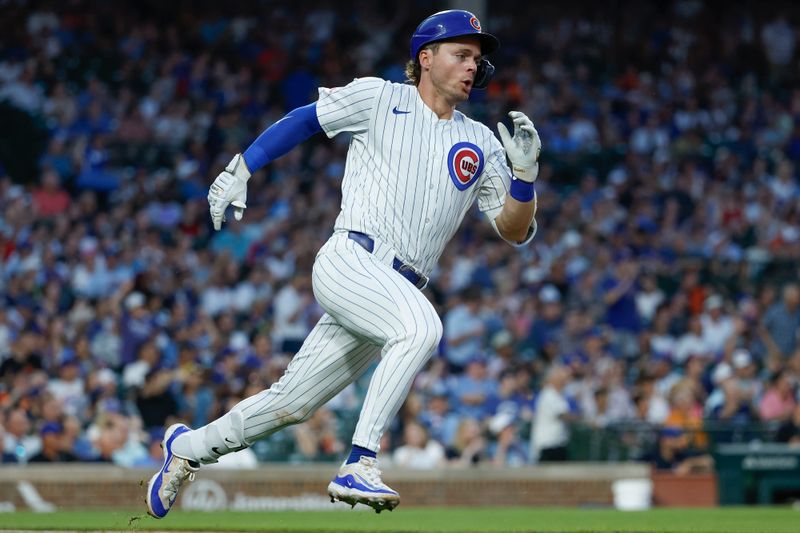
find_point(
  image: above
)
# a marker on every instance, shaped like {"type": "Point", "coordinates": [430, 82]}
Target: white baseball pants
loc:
{"type": "Point", "coordinates": [370, 310]}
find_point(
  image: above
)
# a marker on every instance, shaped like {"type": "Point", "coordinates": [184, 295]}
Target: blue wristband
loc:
{"type": "Point", "coordinates": [521, 191]}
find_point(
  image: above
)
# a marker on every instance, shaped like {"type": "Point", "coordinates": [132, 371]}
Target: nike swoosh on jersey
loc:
{"type": "Point", "coordinates": [398, 112]}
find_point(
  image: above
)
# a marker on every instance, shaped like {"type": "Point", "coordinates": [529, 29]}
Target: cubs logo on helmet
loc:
{"type": "Point", "coordinates": [448, 24]}
{"type": "Point", "coordinates": [465, 164]}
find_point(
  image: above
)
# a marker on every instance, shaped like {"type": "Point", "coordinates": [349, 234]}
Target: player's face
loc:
{"type": "Point", "coordinates": [453, 68]}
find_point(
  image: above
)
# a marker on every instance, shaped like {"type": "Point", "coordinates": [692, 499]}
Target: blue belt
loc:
{"type": "Point", "coordinates": [407, 271]}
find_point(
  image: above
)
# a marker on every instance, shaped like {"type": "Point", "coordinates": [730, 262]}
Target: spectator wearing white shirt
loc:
{"type": "Point", "coordinates": [784, 185]}
{"type": "Point", "coordinates": [612, 405]}
{"type": "Point", "coordinates": [648, 297]}
{"type": "Point", "coordinates": [91, 277]}
{"type": "Point", "coordinates": [550, 433]}
{"type": "Point", "coordinates": [744, 368]}
{"type": "Point", "coordinates": [662, 370]}
{"type": "Point", "coordinates": [217, 297]}
{"type": "Point", "coordinates": [290, 310]}
{"type": "Point", "coordinates": [255, 288]}
{"type": "Point", "coordinates": [133, 374]}
{"type": "Point", "coordinates": [716, 324]}
{"type": "Point", "coordinates": [692, 342]}
{"type": "Point", "coordinates": [661, 338]}
{"type": "Point", "coordinates": [418, 452]}
{"type": "Point", "coordinates": [68, 388]}
{"type": "Point", "coordinates": [651, 406]}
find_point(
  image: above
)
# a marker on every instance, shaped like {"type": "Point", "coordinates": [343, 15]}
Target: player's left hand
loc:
{"type": "Point", "coordinates": [522, 149]}
{"type": "Point", "coordinates": [230, 188]}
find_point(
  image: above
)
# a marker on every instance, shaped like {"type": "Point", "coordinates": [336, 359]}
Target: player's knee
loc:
{"type": "Point", "coordinates": [296, 414]}
{"type": "Point", "coordinates": [437, 331]}
{"type": "Point", "coordinates": [426, 335]}
{"type": "Point", "coordinates": [304, 414]}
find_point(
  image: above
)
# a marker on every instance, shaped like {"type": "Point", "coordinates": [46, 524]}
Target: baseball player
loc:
{"type": "Point", "coordinates": [414, 167]}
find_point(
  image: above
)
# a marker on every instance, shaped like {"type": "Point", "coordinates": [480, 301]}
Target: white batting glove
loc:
{"type": "Point", "coordinates": [522, 149]}
{"type": "Point", "coordinates": [230, 188]}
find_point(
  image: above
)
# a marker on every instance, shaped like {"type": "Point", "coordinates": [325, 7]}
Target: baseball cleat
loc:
{"type": "Point", "coordinates": [361, 483]}
{"type": "Point", "coordinates": [164, 485]}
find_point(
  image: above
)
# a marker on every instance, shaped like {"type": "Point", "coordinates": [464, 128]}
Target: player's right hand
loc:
{"type": "Point", "coordinates": [230, 188]}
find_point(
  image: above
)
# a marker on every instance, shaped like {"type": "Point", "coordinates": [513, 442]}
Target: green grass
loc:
{"type": "Point", "coordinates": [722, 520]}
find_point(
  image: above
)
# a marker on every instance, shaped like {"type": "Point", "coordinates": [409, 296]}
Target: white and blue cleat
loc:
{"type": "Point", "coordinates": [361, 483]}
{"type": "Point", "coordinates": [165, 484]}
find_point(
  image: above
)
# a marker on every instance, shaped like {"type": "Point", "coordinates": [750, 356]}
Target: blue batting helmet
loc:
{"type": "Point", "coordinates": [448, 24]}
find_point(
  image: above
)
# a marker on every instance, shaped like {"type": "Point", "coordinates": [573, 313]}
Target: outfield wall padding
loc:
{"type": "Point", "coordinates": [68, 486]}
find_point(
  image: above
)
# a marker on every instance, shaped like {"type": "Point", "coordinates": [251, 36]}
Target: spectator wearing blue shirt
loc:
{"type": "Point", "coordinates": [437, 417]}
{"type": "Point", "coordinates": [464, 330]}
{"type": "Point", "coordinates": [471, 392]}
{"type": "Point", "coordinates": [673, 453]}
{"type": "Point", "coordinates": [509, 396]}
{"type": "Point", "coordinates": [728, 401]}
{"type": "Point", "coordinates": [232, 240]}
{"type": "Point", "coordinates": [550, 320]}
{"type": "Point", "coordinates": [619, 296]}
{"type": "Point", "coordinates": [782, 320]}
{"type": "Point", "coordinates": [731, 203]}
{"type": "Point", "coordinates": [507, 447]}
{"type": "Point", "coordinates": [137, 326]}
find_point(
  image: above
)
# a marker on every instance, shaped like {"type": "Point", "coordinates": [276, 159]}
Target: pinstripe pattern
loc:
{"type": "Point", "coordinates": [371, 310]}
{"type": "Point", "coordinates": [385, 308]}
{"type": "Point", "coordinates": [396, 185]}
{"type": "Point", "coordinates": [330, 359]}
{"type": "Point", "coordinates": [397, 189]}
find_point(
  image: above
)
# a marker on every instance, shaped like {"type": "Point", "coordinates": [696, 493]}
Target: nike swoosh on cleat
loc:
{"type": "Point", "coordinates": [398, 112]}
{"type": "Point", "coordinates": [366, 483]}
{"type": "Point", "coordinates": [215, 450]}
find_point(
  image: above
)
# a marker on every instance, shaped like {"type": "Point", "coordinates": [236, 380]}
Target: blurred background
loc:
{"type": "Point", "coordinates": [654, 318]}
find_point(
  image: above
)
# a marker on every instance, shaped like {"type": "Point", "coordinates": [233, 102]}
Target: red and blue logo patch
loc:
{"type": "Point", "coordinates": [465, 164]}
{"type": "Point", "coordinates": [475, 23]}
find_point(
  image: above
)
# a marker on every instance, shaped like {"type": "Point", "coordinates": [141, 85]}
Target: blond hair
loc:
{"type": "Point", "coordinates": [414, 69]}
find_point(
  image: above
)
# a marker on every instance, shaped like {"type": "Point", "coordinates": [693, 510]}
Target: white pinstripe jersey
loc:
{"type": "Point", "coordinates": [410, 177]}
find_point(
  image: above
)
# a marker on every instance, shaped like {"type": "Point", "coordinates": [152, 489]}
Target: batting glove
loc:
{"type": "Point", "coordinates": [522, 149]}
{"type": "Point", "coordinates": [230, 188]}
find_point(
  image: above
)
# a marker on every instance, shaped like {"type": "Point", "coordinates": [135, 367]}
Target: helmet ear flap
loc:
{"type": "Point", "coordinates": [483, 74]}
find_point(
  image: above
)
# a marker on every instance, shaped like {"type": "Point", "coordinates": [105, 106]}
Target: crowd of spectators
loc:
{"type": "Point", "coordinates": [658, 290]}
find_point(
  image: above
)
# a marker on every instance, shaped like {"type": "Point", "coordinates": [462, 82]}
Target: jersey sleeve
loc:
{"type": "Point", "coordinates": [348, 108]}
{"type": "Point", "coordinates": [493, 188]}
